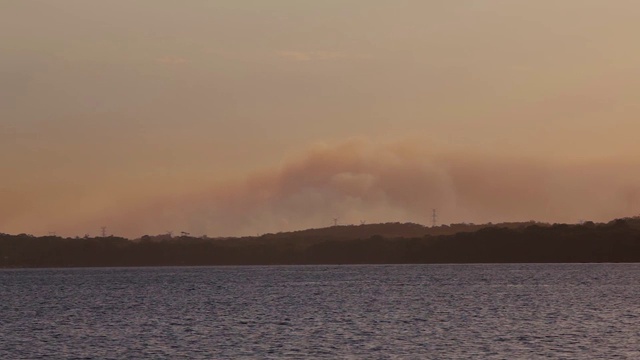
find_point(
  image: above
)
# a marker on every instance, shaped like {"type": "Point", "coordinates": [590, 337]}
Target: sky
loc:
{"type": "Point", "coordinates": [239, 117]}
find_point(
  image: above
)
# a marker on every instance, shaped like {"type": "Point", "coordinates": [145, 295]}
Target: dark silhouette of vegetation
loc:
{"type": "Point", "coordinates": [616, 241]}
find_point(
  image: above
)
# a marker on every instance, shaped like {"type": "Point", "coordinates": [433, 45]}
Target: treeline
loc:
{"type": "Point", "coordinates": [617, 241]}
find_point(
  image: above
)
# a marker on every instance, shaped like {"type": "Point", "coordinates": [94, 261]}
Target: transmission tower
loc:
{"type": "Point", "coordinates": [103, 231]}
{"type": "Point", "coordinates": [434, 218]}
{"type": "Point", "coordinates": [335, 221]}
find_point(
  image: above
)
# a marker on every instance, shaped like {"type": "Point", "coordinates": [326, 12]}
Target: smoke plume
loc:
{"type": "Point", "coordinates": [359, 180]}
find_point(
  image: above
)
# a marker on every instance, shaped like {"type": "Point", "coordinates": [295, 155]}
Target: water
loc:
{"type": "Point", "coordinates": [577, 311]}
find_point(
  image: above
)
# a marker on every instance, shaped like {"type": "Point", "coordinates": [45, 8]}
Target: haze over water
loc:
{"type": "Point", "coordinates": [533, 311]}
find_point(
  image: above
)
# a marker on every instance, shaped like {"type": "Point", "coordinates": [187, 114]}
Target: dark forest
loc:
{"type": "Point", "coordinates": [392, 243]}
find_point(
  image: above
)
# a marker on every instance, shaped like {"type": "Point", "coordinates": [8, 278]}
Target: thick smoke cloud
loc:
{"type": "Point", "coordinates": [360, 180]}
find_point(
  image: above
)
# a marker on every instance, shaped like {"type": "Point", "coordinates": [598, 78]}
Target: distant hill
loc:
{"type": "Point", "coordinates": [390, 230]}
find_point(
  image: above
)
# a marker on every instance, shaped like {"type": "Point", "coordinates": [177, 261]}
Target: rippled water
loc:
{"type": "Point", "coordinates": [397, 311]}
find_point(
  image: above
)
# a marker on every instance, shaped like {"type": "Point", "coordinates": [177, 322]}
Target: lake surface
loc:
{"type": "Point", "coordinates": [539, 311]}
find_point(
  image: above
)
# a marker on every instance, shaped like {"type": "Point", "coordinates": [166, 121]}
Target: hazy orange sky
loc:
{"type": "Point", "coordinates": [234, 117]}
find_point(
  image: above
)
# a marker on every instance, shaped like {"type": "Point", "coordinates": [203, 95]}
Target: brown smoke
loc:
{"type": "Point", "coordinates": [360, 180]}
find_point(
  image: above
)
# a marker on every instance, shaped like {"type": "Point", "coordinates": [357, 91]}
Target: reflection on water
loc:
{"type": "Point", "coordinates": [395, 311]}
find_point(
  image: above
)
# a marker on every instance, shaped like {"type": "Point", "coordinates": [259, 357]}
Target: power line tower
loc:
{"type": "Point", "coordinates": [335, 221]}
{"type": "Point", "coordinates": [103, 231]}
{"type": "Point", "coordinates": [434, 218]}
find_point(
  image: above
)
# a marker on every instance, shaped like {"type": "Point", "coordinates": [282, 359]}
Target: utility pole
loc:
{"type": "Point", "coordinates": [434, 218]}
{"type": "Point", "coordinates": [335, 221]}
